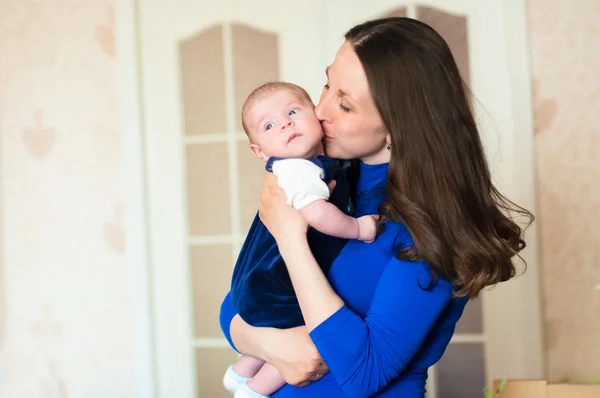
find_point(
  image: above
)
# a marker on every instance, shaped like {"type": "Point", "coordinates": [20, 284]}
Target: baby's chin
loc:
{"type": "Point", "coordinates": [310, 153]}
{"type": "Point", "coordinates": [313, 152]}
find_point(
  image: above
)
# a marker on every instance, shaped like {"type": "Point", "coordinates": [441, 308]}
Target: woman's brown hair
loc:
{"type": "Point", "coordinates": [439, 183]}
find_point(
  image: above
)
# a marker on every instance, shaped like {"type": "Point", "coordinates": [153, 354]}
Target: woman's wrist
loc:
{"type": "Point", "coordinates": [292, 245]}
{"type": "Point", "coordinates": [264, 343]}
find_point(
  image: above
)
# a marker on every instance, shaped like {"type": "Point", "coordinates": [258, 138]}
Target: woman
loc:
{"type": "Point", "coordinates": [387, 310]}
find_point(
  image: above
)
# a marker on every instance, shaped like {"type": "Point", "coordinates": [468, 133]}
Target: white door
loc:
{"type": "Point", "coordinates": [199, 60]}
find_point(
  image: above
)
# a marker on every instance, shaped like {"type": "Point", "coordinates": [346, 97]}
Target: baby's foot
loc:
{"type": "Point", "coordinates": [246, 392]}
{"type": "Point", "coordinates": [367, 228]}
{"type": "Point", "coordinates": [233, 381]}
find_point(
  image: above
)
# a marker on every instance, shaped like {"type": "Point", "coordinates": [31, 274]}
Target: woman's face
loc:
{"type": "Point", "coordinates": [351, 123]}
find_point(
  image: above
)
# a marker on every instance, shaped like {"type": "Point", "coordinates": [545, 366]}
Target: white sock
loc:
{"type": "Point", "coordinates": [246, 392]}
{"type": "Point", "coordinates": [232, 381]}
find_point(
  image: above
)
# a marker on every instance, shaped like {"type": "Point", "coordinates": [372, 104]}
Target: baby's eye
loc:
{"type": "Point", "coordinates": [293, 112]}
{"type": "Point", "coordinates": [269, 126]}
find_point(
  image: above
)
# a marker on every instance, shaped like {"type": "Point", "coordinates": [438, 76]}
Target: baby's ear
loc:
{"type": "Point", "coordinates": [258, 152]}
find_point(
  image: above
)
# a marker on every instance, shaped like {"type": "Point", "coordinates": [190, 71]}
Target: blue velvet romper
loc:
{"type": "Point", "coordinates": [261, 288]}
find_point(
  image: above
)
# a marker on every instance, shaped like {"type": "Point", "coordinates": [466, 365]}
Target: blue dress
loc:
{"type": "Point", "coordinates": [261, 288]}
{"type": "Point", "coordinates": [393, 326]}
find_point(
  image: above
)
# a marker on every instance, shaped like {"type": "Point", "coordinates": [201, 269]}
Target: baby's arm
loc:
{"type": "Point", "coordinates": [301, 180]}
{"type": "Point", "coordinates": [325, 217]}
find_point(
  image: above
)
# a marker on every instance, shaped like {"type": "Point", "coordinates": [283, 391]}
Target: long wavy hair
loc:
{"type": "Point", "coordinates": [439, 183]}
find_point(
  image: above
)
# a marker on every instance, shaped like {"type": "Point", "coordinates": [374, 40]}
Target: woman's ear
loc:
{"type": "Point", "coordinates": [258, 152]}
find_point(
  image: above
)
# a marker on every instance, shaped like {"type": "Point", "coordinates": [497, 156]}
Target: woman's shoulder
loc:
{"type": "Point", "coordinates": [399, 236]}
{"type": "Point", "coordinates": [397, 233]}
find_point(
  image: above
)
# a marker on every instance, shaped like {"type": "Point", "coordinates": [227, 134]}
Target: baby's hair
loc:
{"type": "Point", "coordinates": [264, 91]}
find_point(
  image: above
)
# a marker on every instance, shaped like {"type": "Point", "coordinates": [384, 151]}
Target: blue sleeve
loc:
{"type": "Point", "coordinates": [366, 354]}
{"type": "Point", "coordinates": [226, 316]}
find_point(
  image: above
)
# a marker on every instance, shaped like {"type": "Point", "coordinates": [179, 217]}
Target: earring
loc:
{"type": "Point", "coordinates": [389, 147]}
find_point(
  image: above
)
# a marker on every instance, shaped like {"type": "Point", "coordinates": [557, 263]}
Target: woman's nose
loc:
{"type": "Point", "coordinates": [321, 109]}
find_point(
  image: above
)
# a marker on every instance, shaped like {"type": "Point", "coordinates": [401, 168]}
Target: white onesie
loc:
{"type": "Point", "coordinates": [301, 180]}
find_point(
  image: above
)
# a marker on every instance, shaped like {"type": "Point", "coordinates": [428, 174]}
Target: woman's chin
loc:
{"type": "Point", "coordinates": [337, 154]}
{"type": "Point", "coordinates": [331, 151]}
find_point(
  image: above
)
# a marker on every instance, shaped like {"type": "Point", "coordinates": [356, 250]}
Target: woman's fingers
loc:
{"type": "Point", "coordinates": [294, 354]}
{"type": "Point", "coordinates": [269, 183]}
{"type": "Point", "coordinates": [331, 186]}
{"type": "Point", "coordinates": [303, 384]}
{"type": "Point", "coordinates": [323, 368]}
{"type": "Point", "coordinates": [315, 375]}
{"type": "Point", "coordinates": [283, 221]}
{"type": "Point", "coordinates": [270, 180]}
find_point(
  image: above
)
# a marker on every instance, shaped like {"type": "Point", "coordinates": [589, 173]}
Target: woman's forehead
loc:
{"type": "Point", "coordinates": [347, 72]}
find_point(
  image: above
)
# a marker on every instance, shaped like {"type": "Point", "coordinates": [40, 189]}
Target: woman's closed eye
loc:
{"type": "Point", "coordinates": [342, 106]}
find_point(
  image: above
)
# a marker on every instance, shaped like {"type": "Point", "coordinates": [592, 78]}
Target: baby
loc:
{"type": "Point", "coordinates": [284, 132]}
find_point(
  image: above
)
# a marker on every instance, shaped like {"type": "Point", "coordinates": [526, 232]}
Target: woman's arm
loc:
{"type": "Point", "coordinates": [364, 353]}
{"type": "Point", "coordinates": [372, 351]}
{"type": "Point", "coordinates": [317, 299]}
{"type": "Point", "coordinates": [243, 337]}
{"type": "Point", "coordinates": [291, 351]}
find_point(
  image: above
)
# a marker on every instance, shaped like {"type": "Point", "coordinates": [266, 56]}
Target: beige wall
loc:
{"type": "Point", "coordinates": [565, 42]}
{"type": "Point", "coordinates": [66, 328]}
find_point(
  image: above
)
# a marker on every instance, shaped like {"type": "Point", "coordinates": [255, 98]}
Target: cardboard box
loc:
{"type": "Point", "coordinates": [543, 389]}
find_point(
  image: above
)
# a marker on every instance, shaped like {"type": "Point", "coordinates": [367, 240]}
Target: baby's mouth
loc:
{"type": "Point", "coordinates": [292, 136]}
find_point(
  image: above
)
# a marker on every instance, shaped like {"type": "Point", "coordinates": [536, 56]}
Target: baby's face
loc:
{"type": "Point", "coordinates": [284, 124]}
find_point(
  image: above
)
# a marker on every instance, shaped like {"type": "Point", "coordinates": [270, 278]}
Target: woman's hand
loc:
{"type": "Point", "coordinates": [293, 353]}
{"type": "Point", "coordinates": [283, 221]}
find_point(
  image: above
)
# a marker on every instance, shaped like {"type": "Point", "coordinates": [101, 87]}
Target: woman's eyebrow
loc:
{"type": "Point", "coordinates": [340, 91]}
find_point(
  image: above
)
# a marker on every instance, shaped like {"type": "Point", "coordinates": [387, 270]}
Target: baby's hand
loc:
{"type": "Point", "coordinates": [367, 228]}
